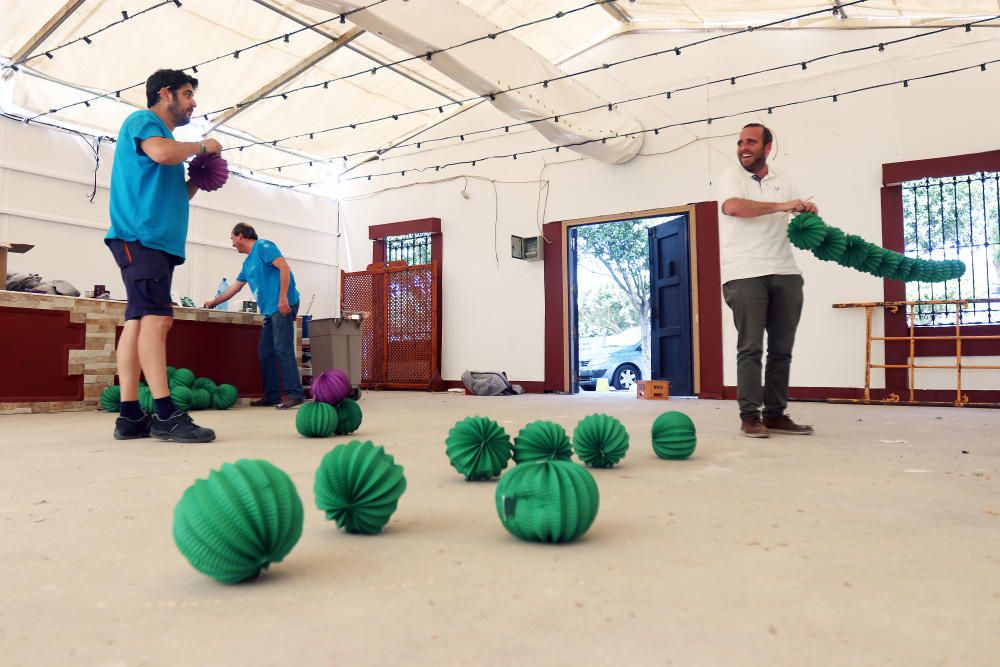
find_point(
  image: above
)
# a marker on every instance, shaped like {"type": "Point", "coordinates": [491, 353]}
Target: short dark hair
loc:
{"type": "Point", "coordinates": [172, 79]}
{"type": "Point", "coordinates": [245, 230]}
{"type": "Point", "coordinates": [768, 137]}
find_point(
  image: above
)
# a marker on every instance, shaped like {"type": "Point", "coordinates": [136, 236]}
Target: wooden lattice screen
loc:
{"type": "Point", "coordinates": [401, 331]}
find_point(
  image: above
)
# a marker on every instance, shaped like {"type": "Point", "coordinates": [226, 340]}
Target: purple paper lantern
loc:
{"type": "Point", "coordinates": [208, 171]}
{"type": "Point", "coordinates": [331, 386]}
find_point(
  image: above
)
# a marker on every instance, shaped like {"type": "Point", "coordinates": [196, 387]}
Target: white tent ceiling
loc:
{"type": "Point", "coordinates": [197, 31]}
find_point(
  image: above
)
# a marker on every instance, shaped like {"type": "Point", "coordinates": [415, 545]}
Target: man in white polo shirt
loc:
{"type": "Point", "coordinates": [760, 281]}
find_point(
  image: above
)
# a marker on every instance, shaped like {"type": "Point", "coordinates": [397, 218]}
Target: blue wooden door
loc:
{"type": "Point", "coordinates": [670, 306]}
{"type": "Point", "coordinates": [574, 315]}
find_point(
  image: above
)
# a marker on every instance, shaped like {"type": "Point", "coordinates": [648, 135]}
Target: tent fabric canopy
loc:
{"type": "Point", "coordinates": [197, 31]}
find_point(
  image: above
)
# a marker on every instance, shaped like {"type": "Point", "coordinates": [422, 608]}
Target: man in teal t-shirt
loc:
{"type": "Point", "coordinates": [149, 222]}
{"type": "Point", "coordinates": [273, 284]}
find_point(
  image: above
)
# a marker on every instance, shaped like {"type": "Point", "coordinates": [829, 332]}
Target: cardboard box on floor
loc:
{"type": "Point", "coordinates": [5, 247]}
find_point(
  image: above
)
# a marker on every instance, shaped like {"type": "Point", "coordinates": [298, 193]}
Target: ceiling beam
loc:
{"type": "Point", "coordinates": [286, 76]}
{"type": "Point", "coordinates": [382, 63]}
{"type": "Point", "coordinates": [50, 27]}
{"type": "Point", "coordinates": [617, 12]}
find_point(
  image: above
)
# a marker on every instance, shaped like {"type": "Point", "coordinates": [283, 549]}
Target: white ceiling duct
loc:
{"type": "Point", "coordinates": [497, 67]}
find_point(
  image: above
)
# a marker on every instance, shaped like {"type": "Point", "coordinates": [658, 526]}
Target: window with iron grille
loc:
{"type": "Point", "coordinates": [413, 248]}
{"type": "Point", "coordinates": [955, 218]}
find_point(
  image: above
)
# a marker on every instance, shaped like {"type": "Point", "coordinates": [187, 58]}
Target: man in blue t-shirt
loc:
{"type": "Point", "coordinates": [149, 222]}
{"type": "Point", "coordinates": [273, 284]}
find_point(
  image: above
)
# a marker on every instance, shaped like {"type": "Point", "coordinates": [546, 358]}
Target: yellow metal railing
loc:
{"type": "Point", "coordinates": [911, 366]}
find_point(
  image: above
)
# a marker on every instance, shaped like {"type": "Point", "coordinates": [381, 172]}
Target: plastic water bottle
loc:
{"type": "Point", "coordinates": [223, 288]}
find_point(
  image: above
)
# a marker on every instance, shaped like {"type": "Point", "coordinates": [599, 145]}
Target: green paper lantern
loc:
{"type": "Point", "coordinates": [170, 371]}
{"type": "Point", "coordinates": [478, 448]}
{"type": "Point", "coordinates": [600, 440]}
{"type": "Point", "coordinates": [904, 269]}
{"type": "Point", "coordinates": [873, 262]}
{"type": "Point", "coordinates": [146, 400]}
{"type": "Point", "coordinates": [889, 264]}
{"type": "Point", "coordinates": [200, 399]}
{"type": "Point", "coordinates": [182, 377]}
{"type": "Point", "coordinates": [181, 396]}
{"type": "Point", "coordinates": [237, 522]}
{"type": "Point", "coordinates": [111, 398]}
{"type": "Point", "coordinates": [673, 436]}
{"type": "Point", "coordinates": [833, 246]}
{"type": "Point", "coordinates": [205, 383]}
{"type": "Point", "coordinates": [806, 231]}
{"type": "Point", "coordinates": [542, 441]}
{"type": "Point", "coordinates": [316, 419]}
{"type": "Point", "coordinates": [358, 485]}
{"type": "Point", "coordinates": [855, 252]}
{"type": "Point", "coordinates": [809, 232]}
{"type": "Point", "coordinates": [547, 501]}
{"type": "Point", "coordinates": [348, 416]}
{"type": "Point", "coordinates": [224, 397]}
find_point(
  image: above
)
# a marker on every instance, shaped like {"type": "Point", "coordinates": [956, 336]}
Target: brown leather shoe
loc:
{"type": "Point", "coordinates": [261, 402]}
{"type": "Point", "coordinates": [752, 427]}
{"type": "Point", "coordinates": [784, 424]}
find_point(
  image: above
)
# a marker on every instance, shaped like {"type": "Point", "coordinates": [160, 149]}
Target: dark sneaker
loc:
{"type": "Point", "coordinates": [261, 402]}
{"type": "Point", "coordinates": [180, 428]}
{"type": "Point", "coordinates": [784, 424]}
{"type": "Point", "coordinates": [290, 402]}
{"type": "Point", "coordinates": [752, 427]}
{"type": "Point", "coordinates": [126, 429]}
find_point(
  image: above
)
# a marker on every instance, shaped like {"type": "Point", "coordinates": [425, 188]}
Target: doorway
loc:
{"type": "Point", "coordinates": [620, 330]}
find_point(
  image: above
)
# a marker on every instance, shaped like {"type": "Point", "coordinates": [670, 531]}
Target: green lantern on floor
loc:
{"type": "Point", "coordinates": [542, 441]}
{"type": "Point", "coordinates": [200, 399]}
{"type": "Point", "coordinates": [600, 440]}
{"type": "Point", "coordinates": [478, 447]}
{"type": "Point", "coordinates": [358, 485]}
{"type": "Point", "coordinates": [673, 436]}
{"type": "Point", "coordinates": [237, 522]}
{"type": "Point", "coordinates": [348, 416]}
{"type": "Point", "coordinates": [207, 384]}
{"type": "Point", "coordinates": [547, 501]}
{"type": "Point", "coordinates": [316, 419]}
{"type": "Point", "coordinates": [224, 397]}
{"type": "Point", "coordinates": [111, 398]}
{"type": "Point", "coordinates": [182, 377]}
{"type": "Point", "coordinates": [182, 397]}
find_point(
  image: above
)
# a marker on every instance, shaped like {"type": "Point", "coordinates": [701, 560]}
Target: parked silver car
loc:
{"type": "Point", "coordinates": [621, 365]}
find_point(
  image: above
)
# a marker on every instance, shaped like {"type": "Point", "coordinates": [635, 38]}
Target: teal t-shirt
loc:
{"type": "Point", "coordinates": [149, 201]}
{"type": "Point", "coordinates": [264, 279]}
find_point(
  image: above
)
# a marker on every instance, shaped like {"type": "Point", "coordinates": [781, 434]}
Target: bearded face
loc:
{"type": "Point", "coordinates": [181, 105]}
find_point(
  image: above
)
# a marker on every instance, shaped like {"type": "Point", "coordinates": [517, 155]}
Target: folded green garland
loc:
{"type": "Point", "coordinates": [808, 232]}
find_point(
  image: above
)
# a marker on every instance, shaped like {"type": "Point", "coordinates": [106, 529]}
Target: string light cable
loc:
{"type": "Point", "coordinates": [677, 50]}
{"type": "Point", "coordinates": [283, 37]}
{"type": "Point", "coordinates": [506, 128]}
{"type": "Point", "coordinates": [833, 97]}
{"type": "Point", "coordinates": [88, 38]}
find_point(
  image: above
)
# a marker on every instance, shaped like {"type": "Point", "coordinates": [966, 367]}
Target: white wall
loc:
{"type": "Point", "coordinates": [493, 311]}
{"type": "Point", "coordinates": [46, 178]}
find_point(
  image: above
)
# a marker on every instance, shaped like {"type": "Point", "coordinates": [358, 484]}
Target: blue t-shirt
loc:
{"type": "Point", "coordinates": [264, 279]}
{"type": "Point", "coordinates": [149, 201]}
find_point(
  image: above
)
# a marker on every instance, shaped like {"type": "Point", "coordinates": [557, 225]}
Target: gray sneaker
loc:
{"type": "Point", "coordinates": [180, 428]}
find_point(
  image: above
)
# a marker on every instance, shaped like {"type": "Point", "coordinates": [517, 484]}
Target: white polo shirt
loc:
{"type": "Point", "coordinates": [751, 247]}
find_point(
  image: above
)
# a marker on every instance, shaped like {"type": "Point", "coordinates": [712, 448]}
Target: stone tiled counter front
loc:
{"type": "Point", "coordinates": [58, 353]}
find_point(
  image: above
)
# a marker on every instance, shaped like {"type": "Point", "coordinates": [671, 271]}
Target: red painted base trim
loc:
{"type": "Point", "coordinates": [978, 396]}
{"type": "Point", "coordinates": [530, 386]}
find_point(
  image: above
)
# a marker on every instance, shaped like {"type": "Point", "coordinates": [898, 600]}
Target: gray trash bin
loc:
{"type": "Point", "coordinates": [335, 342]}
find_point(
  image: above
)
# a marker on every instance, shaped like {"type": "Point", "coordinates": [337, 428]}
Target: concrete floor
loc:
{"type": "Point", "coordinates": [874, 542]}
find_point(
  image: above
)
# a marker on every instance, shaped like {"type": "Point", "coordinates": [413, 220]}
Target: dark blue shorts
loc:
{"type": "Point", "coordinates": [148, 274]}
